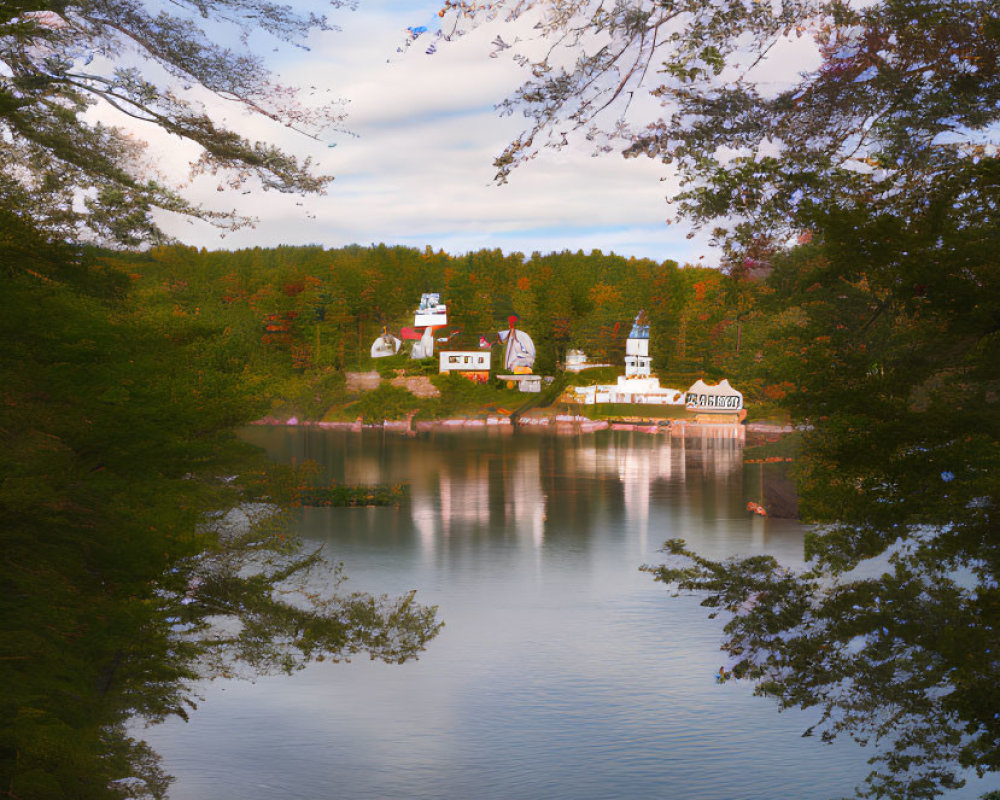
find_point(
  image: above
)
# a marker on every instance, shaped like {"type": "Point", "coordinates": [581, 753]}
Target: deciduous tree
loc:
{"type": "Point", "coordinates": [767, 111]}
{"type": "Point", "coordinates": [67, 67]}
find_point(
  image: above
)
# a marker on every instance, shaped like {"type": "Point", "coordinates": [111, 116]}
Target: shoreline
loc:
{"type": "Point", "coordinates": [559, 424]}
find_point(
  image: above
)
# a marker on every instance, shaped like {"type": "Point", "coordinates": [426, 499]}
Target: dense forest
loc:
{"type": "Point", "coordinates": [294, 319]}
{"type": "Point", "coordinates": [133, 521]}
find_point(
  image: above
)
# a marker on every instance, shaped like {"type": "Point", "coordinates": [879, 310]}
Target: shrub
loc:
{"type": "Point", "coordinates": [385, 402]}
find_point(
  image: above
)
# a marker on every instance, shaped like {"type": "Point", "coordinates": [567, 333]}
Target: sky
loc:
{"type": "Point", "coordinates": [416, 168]}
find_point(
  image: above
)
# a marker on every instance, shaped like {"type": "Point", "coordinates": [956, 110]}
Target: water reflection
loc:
{"type": "Point", "coordinates": [562, 671]}
{"type": "Point", "coordinates": [467, 487]}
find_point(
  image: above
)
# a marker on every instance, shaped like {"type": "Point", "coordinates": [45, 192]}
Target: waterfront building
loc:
{"type": "Point", "coordinates": [471, 364]}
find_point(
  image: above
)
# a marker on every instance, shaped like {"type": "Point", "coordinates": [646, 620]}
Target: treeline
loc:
{"type": "Point", "coordinates": [300, 316]}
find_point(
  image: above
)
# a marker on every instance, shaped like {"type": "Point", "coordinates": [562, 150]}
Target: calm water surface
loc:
{"type": "Point", "coordinates": [562, 671]}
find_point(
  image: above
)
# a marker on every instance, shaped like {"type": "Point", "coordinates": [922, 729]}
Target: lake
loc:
{"type": "Point", "coordinates": [562, 670]}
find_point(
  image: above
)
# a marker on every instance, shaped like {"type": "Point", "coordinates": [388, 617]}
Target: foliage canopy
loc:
{"type": "Point", "coordinates": [768, 111]}
{"type": "Point", "coordinates": [67, 68]}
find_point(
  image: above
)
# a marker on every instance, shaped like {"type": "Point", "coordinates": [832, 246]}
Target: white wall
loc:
{"type": "Point", "coordinates": [464, 361]}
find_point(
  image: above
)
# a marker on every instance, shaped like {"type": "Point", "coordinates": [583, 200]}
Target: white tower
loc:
{"type": "Point", "coordinates": [638, 362]}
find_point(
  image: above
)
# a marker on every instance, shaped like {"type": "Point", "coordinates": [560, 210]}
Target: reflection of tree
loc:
{"type": "Point", "coordinates": [257, 604]}
{"type": "Point", "coordinates": [895, 659]}
{"type": "Point", "coordinates": [253, 606]}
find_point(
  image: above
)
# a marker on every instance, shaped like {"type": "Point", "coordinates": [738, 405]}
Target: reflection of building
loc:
{"type": "Point", "coordinates": [426, 520]}
{"type": "Point", "coordinates": [465, 498]}
{"type": "Point", "coordinates": [663, 458]}
{"type": "Point", "coordinates": [461, 496]}
{"type": "Point", "coordinates": [637, 467]}
{"type": "Point", "coordinates": [524, 500]}
{"type": "Point", "coordinates": [639, 462]}
{"type": "Point", "coordinates": [455, 499]}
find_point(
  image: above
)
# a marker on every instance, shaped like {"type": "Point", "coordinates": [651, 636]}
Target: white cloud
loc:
{"type": "Point", "coordinates": [419, 171]}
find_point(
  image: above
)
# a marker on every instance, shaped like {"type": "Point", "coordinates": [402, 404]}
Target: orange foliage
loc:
{"type": "Point", "coordinates": [777, 391]}
{"type": "Point", "coordinates": [604, 295]}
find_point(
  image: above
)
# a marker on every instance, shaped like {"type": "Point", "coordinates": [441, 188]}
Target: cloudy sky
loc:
{"type": "Point", "coordinates": [417, 169]}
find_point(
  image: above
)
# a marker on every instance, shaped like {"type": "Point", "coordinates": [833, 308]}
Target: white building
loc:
{"type": "Point", "coordinates": [637, 385]}
{"type": "Point", "coordinates": [424, 348]}
{"type": "Point", "coordinates": [525, 382]}
{"type": "Point", "coordinates": [638, 362]}
{"type": "Point", "coordinates": [518, 349]}
{"type": "Point", "coordinates": [576, 361]}
{"type": "Point", "coordinates": [432, 312]}
{"type": "Point", "coordinates": [385, 345]}
{"type": "Point", "coordinates": [473, 364]}
{"type": "Point", "coordinates": [721, 398]}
